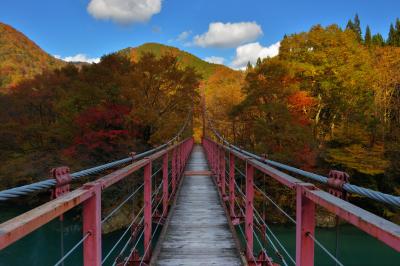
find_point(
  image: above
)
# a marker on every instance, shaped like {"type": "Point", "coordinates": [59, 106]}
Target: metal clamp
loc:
{"type": "Point", "coordinates": [336, 181]}
{"type": "Point", "coordinates": [133, 155]}
{"type": "Point", "coordinates": [63, 180]}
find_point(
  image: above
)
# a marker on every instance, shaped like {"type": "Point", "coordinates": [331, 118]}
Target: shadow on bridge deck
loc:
{"type": "Point", "coordinates": [198, 231]}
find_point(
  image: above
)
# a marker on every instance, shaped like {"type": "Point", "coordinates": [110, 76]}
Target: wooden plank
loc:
{"type": "Point", "coordinates": [198, 231]}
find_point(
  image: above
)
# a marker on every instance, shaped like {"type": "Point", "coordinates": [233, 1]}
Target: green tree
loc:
{"type": "Point", "coordinates": [392, 36]}
{"type": "Point", "coordinates": [378, 40]}
{"type": "Point", "coordinates": [397, 39]}
{"type": "Point", "coordinates": [355, 27]}
{"type": "Point", "coordinates": [367, 38]}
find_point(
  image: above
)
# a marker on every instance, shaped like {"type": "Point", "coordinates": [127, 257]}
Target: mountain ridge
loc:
{"type": "Point", "coordinates": [21, 58]}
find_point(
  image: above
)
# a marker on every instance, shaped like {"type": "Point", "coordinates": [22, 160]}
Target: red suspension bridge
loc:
{"type": "Point", "coordinates": [201, 206]}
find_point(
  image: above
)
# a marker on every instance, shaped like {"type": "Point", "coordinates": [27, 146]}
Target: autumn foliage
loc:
{"type": "Point", "coordinates": [87, 116]}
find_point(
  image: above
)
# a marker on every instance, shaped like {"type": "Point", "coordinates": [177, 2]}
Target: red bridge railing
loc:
{"type": "Point", "coordinates": [241, 207]}
{"type": "Point", "coordinates": [89, 197]}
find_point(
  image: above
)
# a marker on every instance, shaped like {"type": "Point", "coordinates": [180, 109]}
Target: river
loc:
{"type": "Point", "coordinates": [42, 247]}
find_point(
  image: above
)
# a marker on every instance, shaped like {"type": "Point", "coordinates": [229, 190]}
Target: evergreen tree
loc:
{"type": "Point", "coordinates": [258, 63]}
{"type": "Point", "coordinates": [368, 37]}
{"type": "Point", "coordinates": [357, 28]}
{"type": "Point", "coordinates": [392, 36]}
{"type": "Point", "coordinates": [350, 25]}
{"type": "Point", "coordinates": [249, 66]}
{"type": "Point", "coordinates": [378, 40]}
{"type": "Point", "coordinates": [397, 38]}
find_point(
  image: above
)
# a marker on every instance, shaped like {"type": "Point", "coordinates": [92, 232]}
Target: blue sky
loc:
{"type": "Point", "coordinates": [71, 27]}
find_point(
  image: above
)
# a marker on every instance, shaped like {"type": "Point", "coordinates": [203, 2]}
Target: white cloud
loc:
{"type": "Point", "coordinates": [79, 58]}
{"type": "Point", "coordinates": [215, 59]}
{"type": "Point", "coordinates": [183, 36]}
{"type": "Point", "coordinates": [228, 34]}
{"type": "Point", "coordinates": [251, 51]}
{"type": "Point", "coordinates": [124, 11]}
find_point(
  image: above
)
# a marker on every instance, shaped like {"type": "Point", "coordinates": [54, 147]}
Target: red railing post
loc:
{"type": "Point", "coordinates": [222, 171]}
{"type": "Point", "coordinates": [178, 161]}
{"type": "Point", "coordinates": [249, 210]}
{"type": "Point", "coordinates": [147, 210]}
{"type": "Point", "coordinates": [213, 157]}
{"type": "Point", "coordinates": [218, 166]}
{"type": "Point", "coordinates": [182, 159]}
{"type": "Point", "coordinates": [305, 224]}
{"type": "Point", "coordinates": [92, 226]}
{"type": "Point", "coordinates": [173, 170]}
{"type": "Point", "coordinates": [165, 184]}
{"type": "Point", "coordinates": [232, 184]}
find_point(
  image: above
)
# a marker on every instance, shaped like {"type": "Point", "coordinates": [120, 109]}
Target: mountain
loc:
{"type": "Point", "coordinates": [21, 58]}
{"type": "Point", "coordinates": [222, 85]}
{"type": "Point", "coordinates": [185, 59]}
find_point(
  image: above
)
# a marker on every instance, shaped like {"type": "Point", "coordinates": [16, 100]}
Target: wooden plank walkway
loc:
{"type": "Point", "coordinates": [198, 232]}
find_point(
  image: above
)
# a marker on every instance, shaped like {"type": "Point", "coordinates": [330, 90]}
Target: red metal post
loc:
{"type": "Point", "coordinates": [178, 161]}
{"type": "Point", "coordinates": [92, 226]}
{"type": "Point", "coordinates": [218, 165]}
{"type": "Point", "coordinates": [173, 170]}
{"type": "Point", "coordinates": [232, 184]}
{"type": "Point", "coordinates": [222, 171]}
{"type": "Point", "coordinates": [181, 159]}
{"type": "Point", "coordinates": [147, 210]}
{"type": "Point", "coordinates": [165, 184]}
{"type": "Point", "coordinates": [249, 210]}
{"type": "Point", "coordinates": [305, 223]}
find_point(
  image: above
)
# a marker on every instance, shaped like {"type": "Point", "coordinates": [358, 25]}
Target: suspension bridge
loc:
{"type": "Point", "coordinates": [198, 208]}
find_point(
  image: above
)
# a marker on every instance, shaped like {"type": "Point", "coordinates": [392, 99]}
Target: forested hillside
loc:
{"type": "Point", "coordinates": [83, 117]}
{"type": "Point", "coordinates": [20, 58]}
{"type": "Point", "coordinates": [330, 100]}
{"type": "Point", "coordinates": [221, 84]}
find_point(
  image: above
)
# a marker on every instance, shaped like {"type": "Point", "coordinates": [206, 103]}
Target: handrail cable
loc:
{"type": "Point", "coordinates": [141, 221]}
{"type": "Point", "coordinates": [155, 230]}
{"type": "Point", "coordinates": [270, 240]}
{"type": "Point", "coordinates": [72, 250]}
{"type": "Point", "coordinates": [309, 234]}
{"type": "Point", "coordinates": [154, 211]}
{"type": "Point", "coordinates": [122, 236]}
{"type": "Point", "coordinates": [269, 198]}
{"type": "Point", "coordinates": [258, 240]}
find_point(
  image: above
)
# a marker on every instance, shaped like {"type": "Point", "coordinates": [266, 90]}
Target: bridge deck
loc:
{"type": "Point", "coordinates": [198, 232]}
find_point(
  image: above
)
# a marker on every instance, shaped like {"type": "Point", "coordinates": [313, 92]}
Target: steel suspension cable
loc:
{"type": "Point", "coordinates": [141, 221]}
{"type": "Point", "coordinates": [155, 230]}
{"type": "Point", "coordinates": [277, 240]}
{"type": "Point", "coordinates": [273, 235]}
{"type": "Point", "coordinates": [72, 250]}
{"type": "Point", "coordinates": [258, 240]}
{"type": "Point", "coordinates": [269, 239]}
{"type": "Point", "coordinates": [121, 204]}
{"type": "Point", "coordinates": [122, 236]}
{"type": "Point", "coordinates": [275, 204]}
{"type": "Point", "coordinates": [266, 196]}
{"type": "Point", "coordinates": [128, 198]}
{"type": "Point", "coordinates": [324, 249]}
{"type": "Point", "coordinates": [152, 214]}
